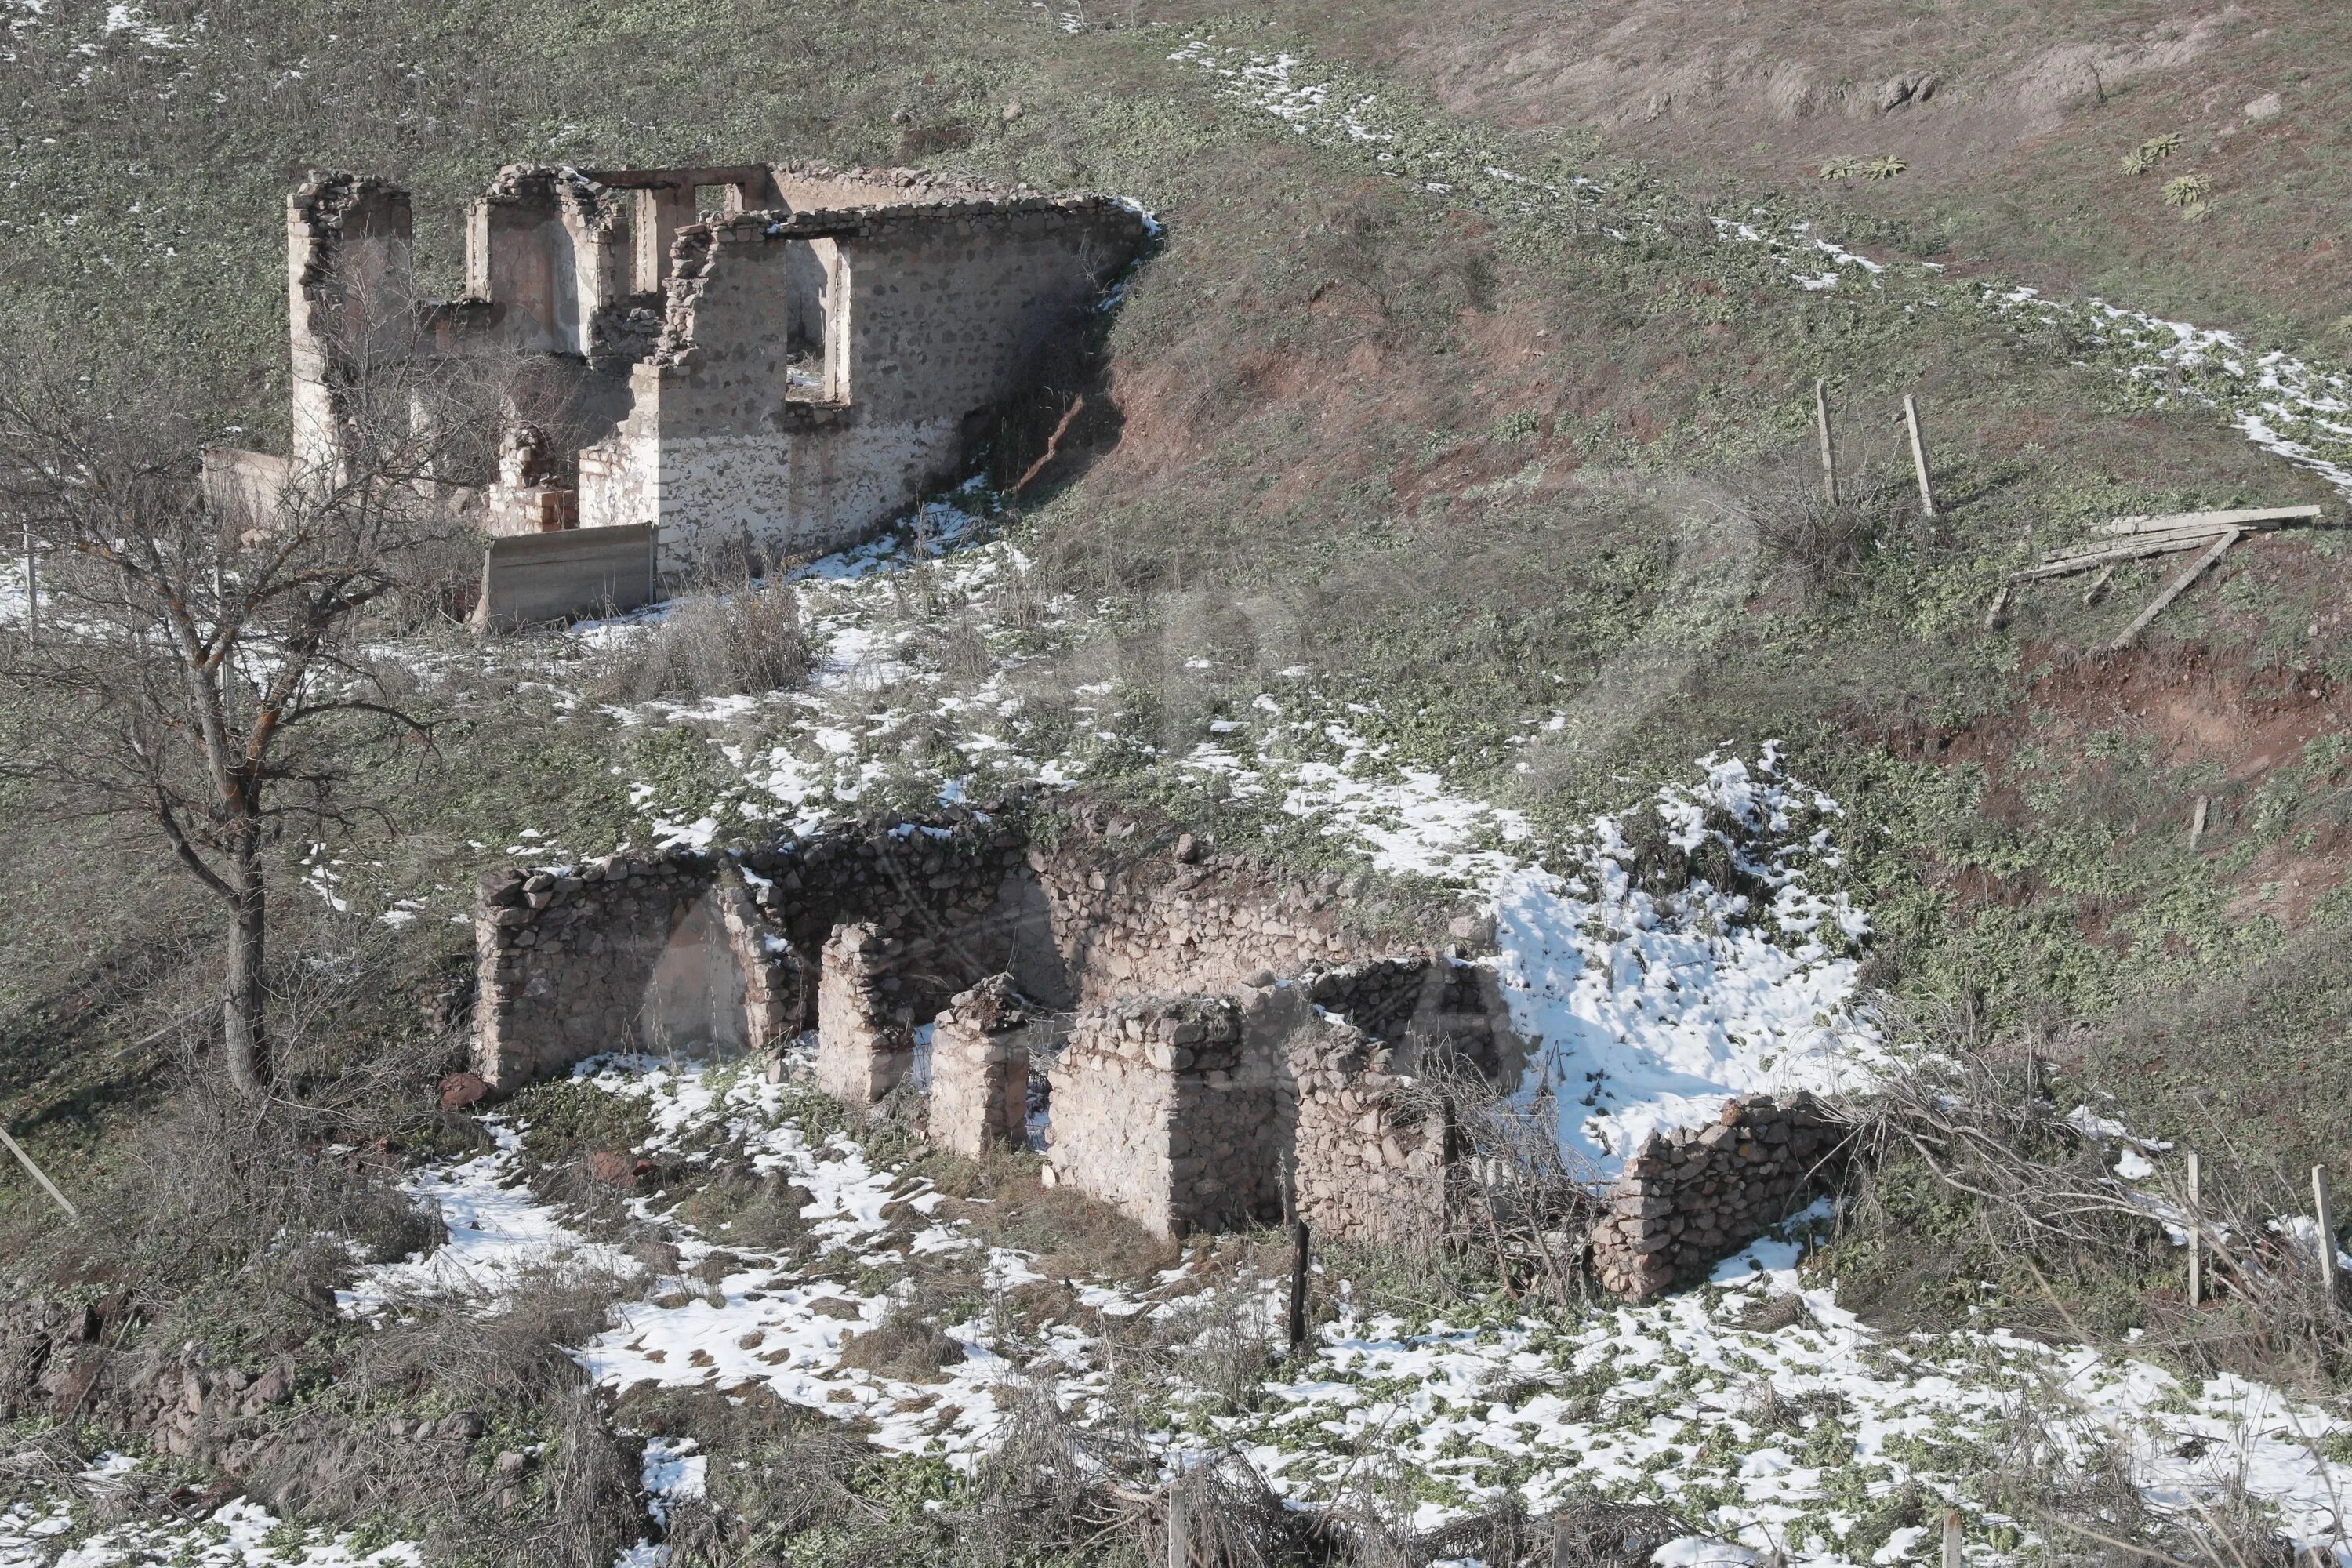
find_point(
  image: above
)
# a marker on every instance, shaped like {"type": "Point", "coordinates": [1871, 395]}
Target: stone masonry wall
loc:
{"type": "Point", "coordinates": [1690, 1199]}
{"type": "Point", "coordinates": [865, 1035]}
{"type": "Point", "coordinates": [1370, 1167]}
{"type": "Point", "coordinates": [1181, 917]}
{"type": "Point", "coordinates": [980, 1070]}
{"type": "Point", "coordinates": [1160, 1110]}
{"type": "Point", "coordinates": [574, 964]}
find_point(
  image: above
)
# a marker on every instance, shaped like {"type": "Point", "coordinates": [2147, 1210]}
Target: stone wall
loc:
{"type": "Point", "coordinates": [1413, 1001]}
{"type": "Point", "coordinates": [1160, 1109]}
{"type": "Point", "coordinates": [645, 951]}
{"type": "Point", "coordinates": [864, 1034]}
{"type": "Point", "coordinates": [1177, 920]}
{"type": "Point", "coordinates": [619, 955]}
{"type": "Point", "coordinates": [980, 1070]}
{"type": "Point", "coordinates": [1370, 1166]}
{"type": "Point", "coordinates": [1691, 1198]}
{"type": "Point", "coordinates": [929, 314]}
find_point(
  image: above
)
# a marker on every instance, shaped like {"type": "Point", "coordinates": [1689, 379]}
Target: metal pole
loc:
{"type": "Point", "coordinates": [1919, 456]}
{"type": "Point", "coordinates": [2196, 1232]}
{"type": "Point", "coordinates": [1828, 448]}
{"type": "Point", "coordinates": [1299, 1246]}
{"type": "Point", "coordinates": [2320, 1210]}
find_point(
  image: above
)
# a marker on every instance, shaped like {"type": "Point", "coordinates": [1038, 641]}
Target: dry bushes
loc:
{"type": "Point", "coordinates": [1973, 1173]}
{"type": "Point", "coordinates": [1512, 1199]}
{"type": "Point", "coordinates": [719, 645]}
{"type": "Point", "coordinates": [909, 1343]}
{"type": "Point", "coordinates": [234, 1220]}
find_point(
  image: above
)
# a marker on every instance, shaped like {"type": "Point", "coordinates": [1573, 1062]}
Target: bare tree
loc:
{"type": "Point", "coordinates": [202, 670]}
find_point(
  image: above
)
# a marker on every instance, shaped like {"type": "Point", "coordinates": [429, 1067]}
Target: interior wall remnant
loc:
{"type": "Point", "coordinates": [980, 1070]}
{"type": "Point", "coordinates": [864, 1032]}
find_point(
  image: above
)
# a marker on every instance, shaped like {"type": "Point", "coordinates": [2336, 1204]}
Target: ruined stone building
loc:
{"type": "Point", "coordinates": [783, 358]}
{"type": "Point", "coordinates": [1202, 1038]}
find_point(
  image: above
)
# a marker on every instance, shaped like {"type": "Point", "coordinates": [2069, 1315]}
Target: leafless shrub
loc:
{"type": "Point", "coordinates": [236, 1211]}
{"type": "Point", "coordinates": [2042, 1188]}
{"type": "Point", "coordinates": [720, 645]}
{"type": "Point", "coordinates": [1823, 545]}
{"type": "Point", "coordinates": [1511, 1193]}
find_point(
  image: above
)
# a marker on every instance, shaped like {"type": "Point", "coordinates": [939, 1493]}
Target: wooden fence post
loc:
{"type": "Point", "coordinates": [1298, 1246]}
{"type": "Point", "coordinates": [1828, 448]}
{"type": "Point", "coordinates": [1953, 1556]}
{"type": "Point", "coordinates": [2196, 1232]}
{"type": "Point", "coordinates": [1919, 455]}
{"type": "Point", "coordinates": [38, 1175]}
{"type": "Point", "coordinates": [1179, 1526]}
{"type": "Point", "coordinates": [2320, 1211]}
{"type": "Point", "coordinates": [1563, 1549]}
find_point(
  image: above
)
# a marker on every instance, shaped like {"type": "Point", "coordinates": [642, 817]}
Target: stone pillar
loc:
{"type": "Point", "coordinates": [1162, 1110]}
{"type": "Point", "coordinates": [864, 1046]}
{"type": "Point", "coordinates": [980, 1070]}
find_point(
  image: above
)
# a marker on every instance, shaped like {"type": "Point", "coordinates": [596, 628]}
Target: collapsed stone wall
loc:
{"type": "Point", "coordinates": [1130, 916]}
{"type": "Point", "coordinates": [1689, 1199]}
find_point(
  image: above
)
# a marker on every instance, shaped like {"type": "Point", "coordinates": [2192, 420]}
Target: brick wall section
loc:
{"type": "Point", "coordinates": [980, 1070]}
{"type": "Point", "coordinates": [865, 1032]}
{"type": "Point", "coordinates": [1691, 1198]}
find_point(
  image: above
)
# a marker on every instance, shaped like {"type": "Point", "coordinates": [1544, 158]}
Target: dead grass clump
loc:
{"type": "Point", "coordinates": [1773, 1314]}
{"type": "Point", "coordinates": [1223, 1347]}
{"type": "Point", "coordinates": [1823, 546]}
{"type": "Point", "coordinates": [1074, 1235]}
{"type": "Point", "coordinates": [719, 645]}
{"type": "Point", "coordinates": [909, 1344]}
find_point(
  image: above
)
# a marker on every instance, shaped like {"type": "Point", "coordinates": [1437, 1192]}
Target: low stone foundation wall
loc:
{"type": "Point", "coordinates": [980, 1070]}
{"type": "Point", "coordinates": [1691, 1199]}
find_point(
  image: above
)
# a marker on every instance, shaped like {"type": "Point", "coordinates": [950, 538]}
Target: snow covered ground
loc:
{"type": "Point", "coordinates": [1758, 1409]}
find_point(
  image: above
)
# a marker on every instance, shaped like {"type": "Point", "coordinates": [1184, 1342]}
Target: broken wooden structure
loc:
{"type": "Point", "coordinates": [2129, 538]}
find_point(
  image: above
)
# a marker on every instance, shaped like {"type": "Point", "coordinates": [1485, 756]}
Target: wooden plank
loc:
{"type": "Point", "coordinates": [2211, 522]}
{"type": "Point", "coordinates": [2173, 590]}
{"type": "Point", "coordinates": [2067, 565]}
